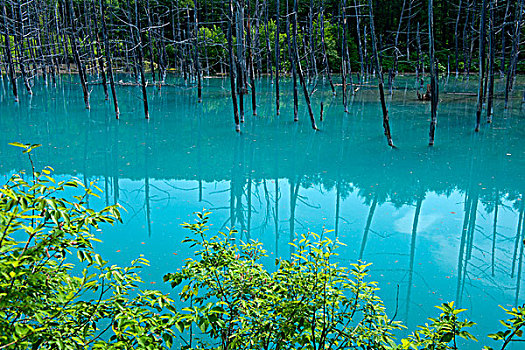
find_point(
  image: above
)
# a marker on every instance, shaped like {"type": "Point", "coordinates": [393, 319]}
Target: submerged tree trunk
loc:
{"type": "Point", "coordinates": [74, 46]}
{"type": "Point", "coordinates": [100, 56]}
{"type": "Point", "coordinates": [434, 86]}
{"type": "Point", "coordinates": [9, 57]}
{"type": "Point", "coordinates": [503, 37]}
{"type": "Point", "coordinates": [232, 70]}
{"type": "Point", "coordinates": [481, 63]}
{"type": "Point", "coordinates": [197, 63]}
{"type": "Point", "coordinates": [250, 62]}
{"type": "Point", "coordinates": [343, 55]}
{"type": "Point", "coordinates": [492, 54]}
{"type": "Point", "coordinates": [294, 68]}
{"type": "Point", "coordinates": [379, 74]}
{"type": "Point", "coordinates": [20, 34]}
{"type": "Point", "coordinates": [397, 52]}
{"type": "Point", "coordinates": [277, 57]}
{"type": "Point", "coordinates": [107, 50]}
{"type": "Point", "coordinates": [515, 52]}
{"type": "Point", "coordinates": [150, 41]}
{"type": "Point", "coordinates": [325, 56]}
{"type": "Point", "coordinates": [456, 38]}
{"type": "Point", "coordinates": [140, 57]}
{"type": "Point", "coordinates": [299, 69]}
{"type": "Point", "coordinates": [359, 42]}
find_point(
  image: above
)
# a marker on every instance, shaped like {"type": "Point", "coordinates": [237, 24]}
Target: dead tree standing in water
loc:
{"type": "Point", "coordinates": [359, 42]}
{"type": "Point", "coordinates": [294, 68]}
{"type": "Point", "coordinates": [492, 54]}
{"type": "Point", "coordinates": [434, 86]}
{"type": "Point", "coordinates": [514, 53]}
{"type": "Point", "coordinates": [456, 38]}
{"type": "Point", "coordinates": [9, 57]}
{"type": "Point", "coordinates": [277, 57]}
{"type": "Point", "coordinates": [107, 50]}
{"type": "Point", "coordinates": [250, 60]}
{"type": "Point", "coordinates": [323, 46]}
{"type": "Point", "coordinates": [74, 46]}
{"type": "Point", "coordinates": [299, 69]}
{"type": "Point", "coordinates": [481, 62]}
{"type": "Point", "coordinates": [197, 62]}
{"type": "Point", "coordinates": [343, 55]}
{"type": "Point", "coordinates": [232, 69]}
{"type": "Point", "coordinates": [150, 41]}
{"type": "Point", "coordinates": [140, 57]}
{"type": "Point", "coordinates": [100, 57]}
{"type": "Point", "coordinates": [379, 74]}
{"type": "Point", "coordinates": [20, 34]}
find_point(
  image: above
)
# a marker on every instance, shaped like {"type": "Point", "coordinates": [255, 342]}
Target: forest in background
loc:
{"type": "Point", "coordinates": [355, 39]}
{"type": "Point", "coordinates": [41, 33]}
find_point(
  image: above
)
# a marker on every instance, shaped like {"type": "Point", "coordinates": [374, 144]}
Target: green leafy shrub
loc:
{"type": "Point", "coordinates": [48, 303]}
{"type": "Point", "coordinates": [309, 302]}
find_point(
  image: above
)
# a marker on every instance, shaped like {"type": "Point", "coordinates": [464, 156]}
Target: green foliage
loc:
{"type": "Point", "coordinates": [441, 333]}
{"type": "Point", "coordinates": [309, 302]}
{"type": "Point", "coordinates": [213, 45]}
{"type": "Point", "coordinates": [333, 48]}
{"type": "Point", "coordinates": [513, 327]}
{"type": "Point", "coordinates": [46, 301]}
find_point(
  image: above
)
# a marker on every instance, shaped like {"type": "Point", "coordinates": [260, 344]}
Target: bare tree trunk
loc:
{"type": "Point", "coordinates": [323, 45]}
{"type": "Point", "coordinates": [197, 62]}
{"type": "Point", "coordinates": [140, 58]}
{"type": "Point", "coordinates": [420, 68]}
{"type": "Point", "coordinates": [150, 41]}
{"type": "Point", "coordinates": [343, 54]}
{"type": "Point", "coordinates": [232, 69]}
{"type": "Point", "coordinates": [514, 53]}
{"type": "Point", "coordinates": [250, 61]}
{"type": "Point", "coordinates": [240, 56]}
{"type": "Point", "coordinates": [73, 39]}
{"type": "Point", "coordinates": [268, 49]}
{"type": "Point", "coordinates": [456, 36]}
{"type": "Point", "coordinates": [294, 68]}
{"type": "Point", "coordinates": [492, 54]}
{"type": "Point", "coordinates": [409, 28]}
{"type": "Point", "coordinates": [482, 30]}
{"type": "Point", "coordinates": [397, 52]}
{"type": "Point", "coordinates": [503, 37]}
{"type": "Point", "coordinates": [100, 57]}
{"type": "Point", "coordinates": [300, 71]}
{"type": "Point", "coordinates": [466, 56]}
{"type": "Point", "coordinates": [277, 57]}
{"type": "Point", "coordinates": [311, 33]}
{"type": "Point", "coordinates": [379, 74]}
{"type": "Point", "coordinates": [9, 57]}
{"type": "Point", "coordinates": [434, 86]}
{"type": "Point", "coordinates": [20, 40]}
{"type": "Point", "coordinates": [107, 50]}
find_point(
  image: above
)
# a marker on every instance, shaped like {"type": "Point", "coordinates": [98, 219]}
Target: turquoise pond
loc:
{"type": "Point", "coordinates": [442, 223]}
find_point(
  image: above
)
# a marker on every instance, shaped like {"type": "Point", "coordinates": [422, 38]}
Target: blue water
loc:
{"type": "Point", "coordinates": [278, 178]}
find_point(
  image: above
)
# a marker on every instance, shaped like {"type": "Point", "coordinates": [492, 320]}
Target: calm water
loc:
{"type": "Point", "coordinates": [439, 223]}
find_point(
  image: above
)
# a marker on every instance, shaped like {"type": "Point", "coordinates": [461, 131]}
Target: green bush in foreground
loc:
{"type": "Point", "coordinates": [46, 302]}
{"type": "Point", "coordinates": [309, 302]}
{"type": "Point", "coordinates": [232, 300]}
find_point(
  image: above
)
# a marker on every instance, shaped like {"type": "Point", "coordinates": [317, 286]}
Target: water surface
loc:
{"type": "Point", "coordinates": [438, 224]}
